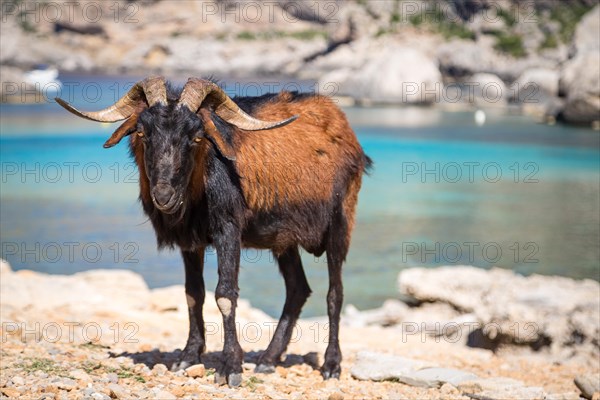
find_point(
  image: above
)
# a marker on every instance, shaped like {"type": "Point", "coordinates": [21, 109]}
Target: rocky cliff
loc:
{"type": "Point", "coordinates": [392, 51]}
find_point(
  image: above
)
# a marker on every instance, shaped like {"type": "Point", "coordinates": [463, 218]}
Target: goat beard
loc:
{"type": "Point", "coordinates": [172, 220]}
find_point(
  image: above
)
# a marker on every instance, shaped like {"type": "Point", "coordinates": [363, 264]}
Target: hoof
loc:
{"type": "Point", "coordinates": [233, 380]}
{"type": "Point", "coordinates": [331, 371]}
{"type": "Point", "coordinates": [178, 366]}
{"type": "Point", "coordinates": [264, 369]}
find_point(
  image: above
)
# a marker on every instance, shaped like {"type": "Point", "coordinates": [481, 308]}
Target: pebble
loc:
{"type": "Point", "coordinates": [40, 374]}
{"type": "Point", "coordinates": [159, 369]}
{"type": "Point", "coordinates": [146, 347]}
{"type": "Point", "coordinates": [17, 381]}
{"type": "Point", "coordinates": [177, 391]}
{"type": "Point", "coordinates": [248, 366]}
{"type": "Point", "coordinates": [588, 384]}
{"type": "Point", "coordinates": [142, 369]}
{"type": "Point", "coordinates": [165, 395]}
{"type": "Point", "coordinates": [88, 391]}
{"type": "Point", "coordinates": [67, 384]}
{"type": "Point", "coordinates": [117, 391]}
{"type": "Point", "coordinates": [336, 396]}
{"type": "Point", "coordinates": [281, 371]}
{"type": "Point", "coordinates": [448, 388]}
{"type": "Point", "coordinates": [81, 375]}
{"type": "Point", "coordinates": [196, 371]}
{"type": "Point", "coordinates": [11, 392]}
{"type": "Point", "coordinates": [112, 377]}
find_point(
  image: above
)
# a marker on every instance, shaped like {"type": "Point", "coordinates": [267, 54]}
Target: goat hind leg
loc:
{"type": "Point", "coordinates": [297, 291]}
{"type": "Point", "coordinates": [337, 249]}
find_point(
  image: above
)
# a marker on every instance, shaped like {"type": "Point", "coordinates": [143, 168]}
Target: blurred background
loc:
{"type": "Point", "coordinates": [481, 116]}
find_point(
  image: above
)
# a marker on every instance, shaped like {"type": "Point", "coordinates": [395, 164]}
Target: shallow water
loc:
{"type": "Point", "coordinates": [513, 193]}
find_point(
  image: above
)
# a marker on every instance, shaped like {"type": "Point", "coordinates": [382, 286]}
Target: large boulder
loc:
{"type": "Point", "coordinates": [536, 90]}
{"type": "Point", "coordinates": [580, 81]}
{"type": "Point", "coordinates": [489, 90]}
{"type": "Point", "coordinates": [464, 58]}
{"type": "Point", "coordinates": [541, 79]}
{"type": "Point", "coordinates": [395, 75]}
{"type": "Point", "coordinates": [534, 311]}
{"type": "Point", "coordinates": [587, 32]}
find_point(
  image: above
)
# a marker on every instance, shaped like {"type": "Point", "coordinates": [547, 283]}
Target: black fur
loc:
{"type": "Point", "coordinates": [221, 218]}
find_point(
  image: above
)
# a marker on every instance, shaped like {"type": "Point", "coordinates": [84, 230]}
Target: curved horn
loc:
{"type": "Point", "coordinates": [152, 89]}
{"type": "Point", "coordinates": [196, 91]}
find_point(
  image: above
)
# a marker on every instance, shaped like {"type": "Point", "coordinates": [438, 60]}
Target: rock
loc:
{"type": "Point", "coordinates": [536, 310]}
{"type": "Point", "coordinates": [159, 369]}
{"type": "Point", "coordinates": [436, 377]}
{"type": "Point", "coordinates": [588, 384]}
{"type": "Point", "coordinates": [500, 389]}
{"type": "Point", "coordinates": [112, 377]}
{"type": "Point", "coordinates": [448, 389]}
{"type": "Point", "coordinates": [391, 312]}
{"type": "Point", "coordinates": [196, 371]}
{"type": "Point", "coordinates": [66, 384]}
{"type": "Point", "coordinates": [542, 79]}
{"type": "Point", "coordinates": [579, 78]}
{"type": "Point", "coordinates": [248, 366]}
{"type": "Point", "coordinates": [171, 298]}
{"type": "Point", "coordinates": [581, 84]}
{"type": "Point", "coordinates": [379, 366]}
{"type": "Point", "coordinates": [80, 374]}
{"type": "Point", "coordinates": [16, 89]}
{"type": "Point", "coordinates": [336, 396]}
{"type": "Point", "coordinates": [587, 32]}
{"type": "Point", "coordinates": [563, 396]}
{"type": "Point", "coordinates": [84, 290]}
{"type": "Point", "coordinates": [536, 90]}
{"type": "Point", "coordinates": [396, 75]}
{"type": "Point", "coordinates": [165, 395]}
{"type": "Point", "coordinates": [117, 391]}
{"type": "Point", "coordinates": [461, 59]}
{"type": "Point", "coordinates": [489, 90]}
{"type": "Point", "coordinates": [17, 380]}
{"type": "Point", "coordinates": [11, 393]}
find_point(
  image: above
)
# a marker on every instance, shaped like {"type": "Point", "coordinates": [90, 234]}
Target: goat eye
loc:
{"type": "Point", "coordinates": [197, 139]}
{"type": "Point", "coordinates": [140, 134]}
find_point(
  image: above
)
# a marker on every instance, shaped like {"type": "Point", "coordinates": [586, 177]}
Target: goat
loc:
{"type": "Point", "coordinates": [207, 180]}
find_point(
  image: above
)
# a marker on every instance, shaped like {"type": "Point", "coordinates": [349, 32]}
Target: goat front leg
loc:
{"type": "Point", "coordinates": [228, 255]}
{"type": "Point", "coordinates": [194, 293]}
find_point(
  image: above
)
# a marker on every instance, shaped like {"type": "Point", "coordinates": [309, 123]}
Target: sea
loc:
{"type": "Point", "coordinates": [511, 193]}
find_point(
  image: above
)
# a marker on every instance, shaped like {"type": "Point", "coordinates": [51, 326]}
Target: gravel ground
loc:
{"type": "Point", "coordinates": [46, 351]}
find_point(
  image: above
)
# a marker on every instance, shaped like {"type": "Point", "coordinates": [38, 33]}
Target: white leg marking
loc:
{"type": "Point", "coordinates": [224, 305]}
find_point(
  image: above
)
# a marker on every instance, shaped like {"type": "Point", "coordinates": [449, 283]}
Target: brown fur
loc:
{"type": "Point", "coordinates": [284, 164]}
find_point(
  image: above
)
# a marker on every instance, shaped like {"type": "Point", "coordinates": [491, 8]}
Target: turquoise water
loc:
{"type": "Point", "coordinates": [513, 193]}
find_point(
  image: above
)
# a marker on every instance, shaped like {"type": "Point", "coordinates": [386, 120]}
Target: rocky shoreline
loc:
{"type": "Point", "coordinates": [103, 334]}
{"type": "Point", "coordinates": [541, 57]}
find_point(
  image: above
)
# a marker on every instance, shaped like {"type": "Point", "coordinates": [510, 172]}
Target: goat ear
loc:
{"type": "Point", "coordinates": [126, 128]}
{"type": "Point", "coordinates": [213, 134]}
